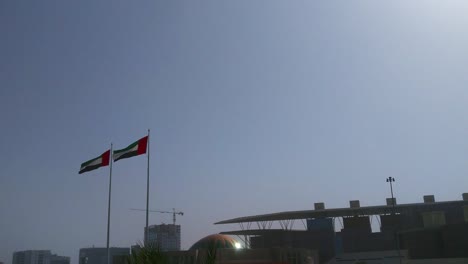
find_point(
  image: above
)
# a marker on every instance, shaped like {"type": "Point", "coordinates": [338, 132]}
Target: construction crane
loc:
{"type": "Point", "coordinates": [174, 213]}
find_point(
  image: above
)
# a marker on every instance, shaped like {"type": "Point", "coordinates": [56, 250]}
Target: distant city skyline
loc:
{"type": "Point", "coordinates": [38, 257]}
{"type": "Point", "coordinates": [254, 107]}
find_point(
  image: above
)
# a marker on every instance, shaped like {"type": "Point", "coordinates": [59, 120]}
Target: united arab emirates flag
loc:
{"type": "Point", "coordinates": [95, 163]}
{"type": "Point", "coordinates": [134, 149]}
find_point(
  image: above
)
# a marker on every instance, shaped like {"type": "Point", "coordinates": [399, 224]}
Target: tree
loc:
{"type": "Point", "coordinates": [150, 254]}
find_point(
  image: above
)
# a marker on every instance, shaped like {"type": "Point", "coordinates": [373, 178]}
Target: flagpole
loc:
{"type": "Point", "coordinates": [109, 205]}
{"type": "Point", "coordinates": [147, 191]}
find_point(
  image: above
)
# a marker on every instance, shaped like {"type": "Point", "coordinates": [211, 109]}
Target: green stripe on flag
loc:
{"type": "Point", "coordinates": [136, 148]}
{"type": "Point", "coordinates": [127, 148]}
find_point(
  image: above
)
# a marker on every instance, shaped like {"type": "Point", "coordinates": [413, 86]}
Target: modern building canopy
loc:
{"type": "Point", "coordinates": [343, 212]}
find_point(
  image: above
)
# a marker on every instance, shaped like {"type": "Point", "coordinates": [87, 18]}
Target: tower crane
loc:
{"type": "Point", "coordinates": [174, 213]}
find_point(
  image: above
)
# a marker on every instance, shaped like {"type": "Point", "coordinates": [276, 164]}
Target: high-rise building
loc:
{"type": "Point", "coordinates": [99, 255]}
{"type": "Point", "coordinates": [32, 257]}
{"type": "Point", "coordinates": [166, 237]}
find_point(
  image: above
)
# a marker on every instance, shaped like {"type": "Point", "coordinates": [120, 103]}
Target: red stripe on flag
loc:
{"type": "Point", "coordinates": [142, 144]}
{"type": "Point", "coordinates": [105, 158]}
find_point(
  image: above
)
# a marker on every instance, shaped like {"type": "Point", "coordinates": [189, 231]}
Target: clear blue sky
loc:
{"type": "Point", "coordinates": [254, 107]}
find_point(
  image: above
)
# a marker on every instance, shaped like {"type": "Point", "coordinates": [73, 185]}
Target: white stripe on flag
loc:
{"type": "Point", "coordinates": [95, 162]}
{"type": "Point", "coordinates": [118, 155]}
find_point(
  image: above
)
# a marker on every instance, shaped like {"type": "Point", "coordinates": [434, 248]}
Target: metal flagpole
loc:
{"type": "Point", "coordinates": [147, 192]}
{"type": "Point", "coordinates": [109, 205]}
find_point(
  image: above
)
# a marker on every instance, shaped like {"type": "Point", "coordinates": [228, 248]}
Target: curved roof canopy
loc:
{"type": "Point", "coordinates": [343, 212]}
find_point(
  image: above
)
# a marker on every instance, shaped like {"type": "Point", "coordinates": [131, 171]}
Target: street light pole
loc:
{"type": "Point", "coordinates": [390, 180]}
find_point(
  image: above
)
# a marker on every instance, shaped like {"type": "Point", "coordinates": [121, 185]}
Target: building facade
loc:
{"type": "Point", "coordinates": [167, 237]}
{"type": "Point", "coordinates": [425, 230]}
{"type": "Point", "coordinates": [38, 257]}
{"type": "Point", "coordinates": [99, 255]}
{"type": "Point", "coordinates": [32, 257]}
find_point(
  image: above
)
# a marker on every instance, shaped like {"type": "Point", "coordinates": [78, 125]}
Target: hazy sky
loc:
{"type": "Point", "coordinates": [254, 106]}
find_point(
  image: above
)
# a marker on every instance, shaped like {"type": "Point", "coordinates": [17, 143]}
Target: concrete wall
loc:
{"type": "Point", "coordinates": [455, 240]}
{"type": "Point", "coordinates": [357, 223]}
{"type": "Point", "coordinates": [438, 261]}
{"type": "Point", "coordinates": [247, 256]}
{"type": "Point", "coordinates": [362, 242]}
{"type": "Point", "coordinates": [320, 224]}
{"type": "Point", "coordinates": [450, 241]}
{"type": "Point", "coordinates": [321, 240]}
{"type": "Point", "coordinates": [422, 244]}
{"type": "Point", "coordinates": [374, 257]}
